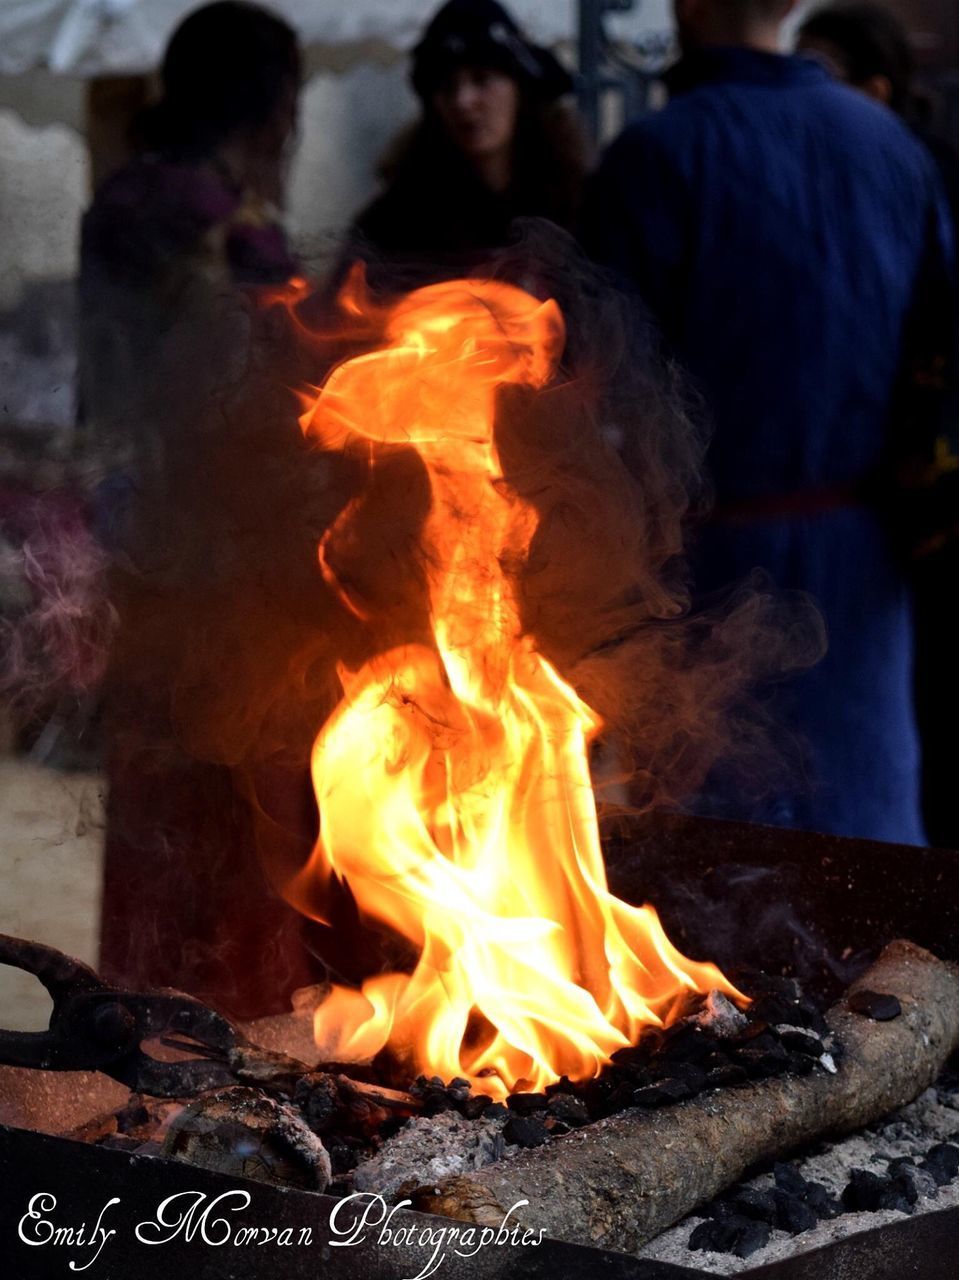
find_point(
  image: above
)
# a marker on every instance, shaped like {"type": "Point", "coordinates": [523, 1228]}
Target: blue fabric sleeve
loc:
{"type": "Point", "coordinates": [637, 221]}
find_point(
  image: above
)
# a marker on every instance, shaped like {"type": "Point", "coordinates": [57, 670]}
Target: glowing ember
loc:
{"type": "Point", "coordinates": [453, 780]}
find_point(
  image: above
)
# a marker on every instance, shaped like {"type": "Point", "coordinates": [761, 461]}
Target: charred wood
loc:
{"type": "Point", "coordinates": [621, 1181]}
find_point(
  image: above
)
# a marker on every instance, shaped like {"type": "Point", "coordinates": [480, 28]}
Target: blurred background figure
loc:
{"type": "Point", "coordinates": [182, 498]}
{"type": "Point", "coordinates": [867, 47]}
{"type": "Point", "coordinates": [780, 227]}
{"type": "Point", "coordinates": [496, 141]}
{"type": "Point", "coordinates": [195, 211]}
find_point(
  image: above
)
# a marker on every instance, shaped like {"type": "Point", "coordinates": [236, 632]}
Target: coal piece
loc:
{"type": "Point", "coordinates": [684, 1043]}
{"type": "Point", "coordinates": [525, 1131]}
{"type": "Point", "coordinates": [942, 1162]}
{"type": "Point", "coordinates": [788, 1178]}
{"type": "Point", "coordinates": [525, 1104]}
{"type": "Point", "coordinates": [778, 985]}
{"type": "Point", "coordinates": [800, 1040]}
{"type": "Point", "coordinates": [905, 1170]}
{"type": "Point", "coordinates": [821, 1201]}
{"type": "Point", "coordinates": [568, 1108]}
{"type": "Point", "coordinates": [719, 1017]}
{"type": "Point", "coordinates": [689, 1073]}
{"type": "Point", "coordinates": [474, 1107]}
{"type": "Point", "coordinates": [343, 1158]}
{"type": "Point", "coordinates": [633, 1058]}
{"type": "Point", "coordinates": [866, 1192]}
{"type": "Point", "coordinates": [739, 1236]}
{"type": "Point", "coordinates": [799, 1064]}
{"type": "Point", "coordinates": [752, 1203]}
{"type": "Point", "coordinates": [750, 1238]}
{"type": "Point", "coordinates": [905, 1186]}
{"type": "Point", "coordinates": [809, 1015]}
{"type": "Point", "coordinates": [727, 1076]}
{"type": "Point", "coordinates": [716, 1235]}
{"type": "Point", "coordinates": [662, 1094]}
{"type": "Point", "coordinates": [436, 1101]}
{"type": "Point", "coordinates": [718, 1209]}
{"type": "Point", "coordinates": [621, 1098]}
{"type": "Point", "coordinates": [875, 1005]}
{"type": "Point", "coordinates": [792, 1213]}
{"type": "Point", "coordinates": [773, 1009]}
{"type": "Point", "coordinates": [437, 1096]}
{"type": "Point", "coordinates": [764, 1056]}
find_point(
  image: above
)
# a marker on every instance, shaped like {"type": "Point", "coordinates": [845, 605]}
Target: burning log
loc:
{"type": "Point", "coordinates": [619, 1182]}
{"type": "Point", "coordinates": [247, 1134]}
{"type": "Point", "coordinates": [332, 1100]}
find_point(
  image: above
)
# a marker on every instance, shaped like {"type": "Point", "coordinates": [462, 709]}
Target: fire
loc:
{"type": "Point", "coordinates": [452, 780]}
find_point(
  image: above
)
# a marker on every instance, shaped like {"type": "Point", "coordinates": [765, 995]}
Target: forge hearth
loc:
{"type": "Point", "coordinates": [847, 898]}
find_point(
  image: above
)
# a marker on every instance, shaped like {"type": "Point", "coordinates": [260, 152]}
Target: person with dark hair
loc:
{"type": "Point", "coordinates": [496, 141]}
{"type": "Point", "coordinates": [780, 227]}
{"type": "Point", "coordinates": [867, 47]}
{"type": "Point", "coordinates": [180, 481]}
{"type": "Point", "coordinates": [211, 156]}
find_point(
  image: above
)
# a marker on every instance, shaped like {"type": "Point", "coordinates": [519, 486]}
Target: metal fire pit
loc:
{"type": "Point", "coordinates": [746, 896]}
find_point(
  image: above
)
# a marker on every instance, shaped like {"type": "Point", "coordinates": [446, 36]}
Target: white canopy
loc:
{"type": "Point", "coordinates": [104, 37]}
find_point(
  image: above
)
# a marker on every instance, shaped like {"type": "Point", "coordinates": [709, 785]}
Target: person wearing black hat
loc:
{"type": "Point", "coordinates": [495, 142]}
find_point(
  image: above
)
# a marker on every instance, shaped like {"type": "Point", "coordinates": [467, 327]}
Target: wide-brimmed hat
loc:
{"type": "Point", "coordinates": [481, 33]}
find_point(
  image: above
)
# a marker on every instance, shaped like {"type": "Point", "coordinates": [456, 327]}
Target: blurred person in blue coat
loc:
{"type": "Point", "coordinates": [866, 46]}
{"type": "Point", "coordinates": [790, 238]}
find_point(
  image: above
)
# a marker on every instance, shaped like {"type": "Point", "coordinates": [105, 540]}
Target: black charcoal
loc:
{"type": "Point", "coordinates": [875, 1005]}
{"type": "Point", "coordinates": [689, 1073]}
{"type": "Point", "coordinates": [525, 1104]}
{"type": "Point", "coordinates": [662, 1094]}
{"type": "Point", "coordinates": [799, 1064]}
{"type": "Point", "coordinates": [821, 1201]}
{"type": "Point", "coordinates": [739, 1236]}
{"type": "Point", "coordinates": [868, 1192]}
{"type": "Point", "coordinates": [476, 1105]}
{"type": "Point", "coordinates": [727, 1076]}
{"type": "Point", "coordinates": [788, 1178]}
{"type": "Point", "coordinates": [763, 1056]}
{"type": "Point", "coordinates": [773, 1010]}
{"type": "Point", "coordinates": [343, 1158]}
{"type": "Point", "coordinates": [687, 1043]}
{"type": "Point", "coordinates": [792, 1213]}
{"type": "Point", "coordinates": [921, 1181]}
{"type": "Point", "coordinates": [752, 1203]}
{"type": "Point", "coordinates": [716, 1235]}
{"type": "Point", "coordinates": [525, 1131]}
{"type": "Point", "coordinates": [800, 1040]}
{"type": "Point", "coordinates": [942, 1162]}
{"type": "Point", "coordinates": [718, 1209]}
{"type": "Point", "coordinates": [719, 1016]}
{"type": "Point", "coordinates": [571, 1110]}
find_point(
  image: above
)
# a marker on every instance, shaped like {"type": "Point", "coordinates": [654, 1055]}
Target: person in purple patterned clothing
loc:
{"type": "Point", "coordinates": [174, 249]}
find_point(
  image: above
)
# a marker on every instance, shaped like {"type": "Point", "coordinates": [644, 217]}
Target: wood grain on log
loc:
{"type": "Point", "coordinates": [621, 1181]}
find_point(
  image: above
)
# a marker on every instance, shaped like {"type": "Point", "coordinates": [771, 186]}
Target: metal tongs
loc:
{"type": "Point", "coordinates": [98, 1027]}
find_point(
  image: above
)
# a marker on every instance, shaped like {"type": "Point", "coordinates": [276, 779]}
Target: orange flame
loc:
{"type": "Point", "coordinates": [453, 781]}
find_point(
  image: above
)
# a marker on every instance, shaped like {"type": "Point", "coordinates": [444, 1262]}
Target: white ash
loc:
{"type": "Point", "coordinates": [932, 1118]}
{"type": "Point", "coordinates": [430, 1148]}
{"type": "Point", "coordinates": [720, 1016]}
